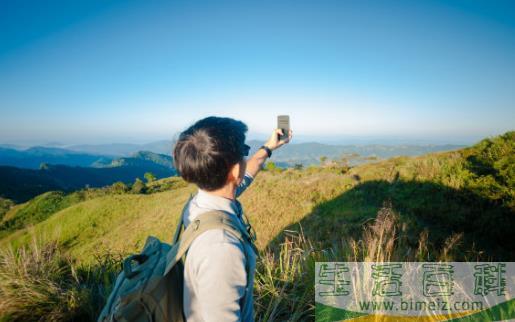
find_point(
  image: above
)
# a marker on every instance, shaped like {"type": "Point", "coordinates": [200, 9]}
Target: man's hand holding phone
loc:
{"type": "Point", "coordinates": [279, 137]}
{"type": "Point", "coordinates": [274, 142]}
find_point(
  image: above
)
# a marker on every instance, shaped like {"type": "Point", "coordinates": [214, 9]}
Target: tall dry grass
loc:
{"type": "Point", "coordinates": [39, 284]}
{"type": "Point", "coordinates": [285, 277]}
{"type": "Point", "coordinates": [43, 284]}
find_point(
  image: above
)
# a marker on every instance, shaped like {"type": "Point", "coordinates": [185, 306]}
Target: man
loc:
{"type": "Point", "coordinates": [211, 154]}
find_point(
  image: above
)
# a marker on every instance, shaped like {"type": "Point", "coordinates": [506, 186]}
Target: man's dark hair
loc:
{"type": "Point", "coordinates": [206, 151]}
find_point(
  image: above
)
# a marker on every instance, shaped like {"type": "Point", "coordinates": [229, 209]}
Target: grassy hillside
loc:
{"type": "Point", "coordinates": [455, 205]}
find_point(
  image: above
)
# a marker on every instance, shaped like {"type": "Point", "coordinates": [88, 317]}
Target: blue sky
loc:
{"type": "Point", "coordinates": [137, 71]}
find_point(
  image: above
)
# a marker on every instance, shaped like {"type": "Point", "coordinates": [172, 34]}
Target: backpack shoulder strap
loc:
{"type": "Point", "coordinates": [215, 219]}
{"type": "Point", "coordinates": [178, 230]}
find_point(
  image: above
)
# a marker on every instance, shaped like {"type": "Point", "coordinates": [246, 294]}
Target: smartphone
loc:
{"type": "Point", "coordinates": [283, 122]}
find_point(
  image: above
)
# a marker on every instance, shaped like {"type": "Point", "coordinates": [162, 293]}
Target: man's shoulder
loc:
{"type": "Point", "coordinates": [213, 238]}
{"type": "Point", "coordinates": [213, 246]}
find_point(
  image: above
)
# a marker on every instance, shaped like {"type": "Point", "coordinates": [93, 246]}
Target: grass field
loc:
{"type": "Point", "coordinates": [446, 206]}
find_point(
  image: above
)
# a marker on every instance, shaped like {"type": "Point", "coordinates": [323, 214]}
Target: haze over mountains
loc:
{"type": "Point", "coordinates": [306, 153]}
{"type": "Point", "coordinates": [25, 173]}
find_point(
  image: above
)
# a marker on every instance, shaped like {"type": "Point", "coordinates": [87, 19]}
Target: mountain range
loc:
{"type": "Point", "coordinates": [20, 184]}
{"type": "Point", "coordinates": [25, 173]}
{"type": "Point", "coordinates": [308, 153]}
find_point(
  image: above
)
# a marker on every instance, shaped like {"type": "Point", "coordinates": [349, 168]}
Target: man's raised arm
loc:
{"type": "Point", "coordinates": [255, 163]}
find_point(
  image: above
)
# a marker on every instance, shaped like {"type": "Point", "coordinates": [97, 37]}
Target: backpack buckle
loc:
{"type": "Point", "coordinates": [196, 224]}
{"type": "Point", "coordinates": [251, 232]}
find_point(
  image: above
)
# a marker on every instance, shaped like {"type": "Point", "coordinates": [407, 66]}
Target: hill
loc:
{"type": "Point", "coordinates": [144, 159]}
{"type": "Point", "coordinates": [33, 157]}
{"type": "Point", "coordinates": [456, 205]}
{"type": "Point", "coordinates": [437, 191]}
{"type": "Point", "coordinates": [295, 153]}
{"type": "Point", "coordinates": [22, 184]}
{"type": "Point", "coordinates": [307, 153]}
{"type": "Point", "coordinates": [124, 149]}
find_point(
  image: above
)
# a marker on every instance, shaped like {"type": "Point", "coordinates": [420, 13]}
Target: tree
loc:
{"type": "Point", "coordinates": [344, 161]}
{"type": "Point", "coordinates": [323, 159]}
{"type": "Point", "coordinates": [344, 169]}
{"type": "Point", "coordinates": [5, 205]}
{"type": "Point", "coordinates": [118, 188]}
{"type": "Point", "coordinates": [298, 166]}
{"type": "Point", "coordinates": [270, 166]}
{"type": "Point", "coordinates": [150, 177]}
{"type": "Point", "coordinates": [138, 186]}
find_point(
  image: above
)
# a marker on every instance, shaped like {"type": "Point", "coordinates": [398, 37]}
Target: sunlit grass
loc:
{"type": "Point", "coordinates": [402, 209]}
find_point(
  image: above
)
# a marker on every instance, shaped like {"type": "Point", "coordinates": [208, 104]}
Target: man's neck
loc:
{"type": "Point", "coordinates": [227, 191]}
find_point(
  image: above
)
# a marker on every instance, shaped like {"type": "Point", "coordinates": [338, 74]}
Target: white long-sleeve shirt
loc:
{"type": "Point", "coordinates": [215, 278]}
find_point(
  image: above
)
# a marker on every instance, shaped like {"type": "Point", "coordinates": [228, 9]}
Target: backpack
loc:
{"type": "Point", "coordinates": [150, 286]}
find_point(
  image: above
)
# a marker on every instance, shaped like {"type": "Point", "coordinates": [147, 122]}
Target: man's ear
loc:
{"type": "Point", "coordinates": [234, 173]}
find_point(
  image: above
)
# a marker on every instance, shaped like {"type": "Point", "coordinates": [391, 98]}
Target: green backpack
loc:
{"type": "Point", "coordinates": [150, 286]}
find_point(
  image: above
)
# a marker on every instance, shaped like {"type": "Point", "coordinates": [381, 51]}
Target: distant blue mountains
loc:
{"type": "Point", "coordinates": [31, 172]}
{"type": "Point", "coordinates": [25, 173]}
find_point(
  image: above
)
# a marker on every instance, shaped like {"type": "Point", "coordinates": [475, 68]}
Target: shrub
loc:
{"type": "Point", "coordinates": [492, 161]}
{"type": "Point", "coordinates": [5, 205]}
{"type": "Point", "coordinates": [118, 188]}
{"type": "Point", "coordinates": [270, 166]}
{"type": "Point", "coordinates": [138, 186]}
{"type": "Point", "coordinates": [150, 177]}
